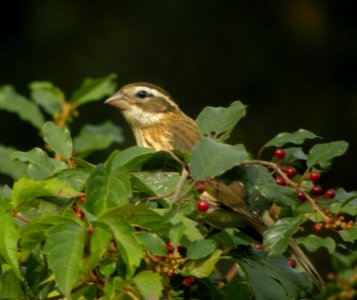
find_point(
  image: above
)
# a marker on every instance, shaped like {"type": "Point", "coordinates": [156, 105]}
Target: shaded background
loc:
{"type": "Point", "coordinates": [292, 62]}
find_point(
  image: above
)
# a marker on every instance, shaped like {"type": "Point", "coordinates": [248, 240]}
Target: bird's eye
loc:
{"type": "Point", "coordinates": [142, 94]}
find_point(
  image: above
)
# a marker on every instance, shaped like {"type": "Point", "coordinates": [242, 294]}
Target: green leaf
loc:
{"type": "Point", "coordinates": [107, 189]}
{"type": "Point", "coordinates": [313, 242]}
{"type": "Point", "coordinates": [64, 249]}
{"type": "Point", "coordinates": [283, 196]}
{"type": "Point", "coordinates": [9, 237]}
{"type": "Point", "coordinates": [133, 158]}
{"type": "Point", "coordinates": [156, 183]}
{"type": "Point", "coordinates": [153, 242]}
{"type": "Point", "coordinates": [176, 233]}
{"type": "Point", "coordinates": [49, 97]}
{"type": "Point", "coordinates": [220, 120]}
{"type": "Point", "coordinates": [275, 279]}
{"type": "Point", "coordinates": [59, 138]}
{"type": "Point", "coordinates": [200, 249]}
{"type": "Point", "coordinates": [8, 166]}
{"type": "Point", "coordinates": [323, 153]}
{"type": "Point", "coordinates": [349, 235]}
{"type": "Point", "coordinates": [13, 102]}
{"type": "Point", "coordinates": [33, 235]}
{"type": "Point", "coordinates": [298, 137]}
{"type": "Point", "coordinates": [94, 89]}
{"type": "Point", "coordinates": [40, 165]}
{"type": "Point", "coordinates": [236, 287]}
{"type": "Point", "coordinates": [276, 237]}
{"type": "Point", "coordinates": [97, 137]}
{"type": "Point", "coordinates": [211, 158]}
{"type": "Point", "coordinates": [10, 286]}
{"type": "Point", "coordinates": [149, 285]}
{"type": "Point", "coordinates": [129, 247]}
{"type": "Point", "coordinates": [76, 178]}
{"type": "Point", "coordinates": [26, 190]}
{"type": "Point", "coordinates": [202, 268]}
{"type": "Point", "coordinates": [139, 215]}
{"type": "Point", "coordinates": [99, 241]}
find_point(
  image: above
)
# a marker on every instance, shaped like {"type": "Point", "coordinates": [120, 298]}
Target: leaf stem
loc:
{"type": "Point", "coordinates": [22, 218]}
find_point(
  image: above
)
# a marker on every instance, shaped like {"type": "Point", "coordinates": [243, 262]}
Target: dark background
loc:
{"type": "Point", "coordinates": [292, 62]}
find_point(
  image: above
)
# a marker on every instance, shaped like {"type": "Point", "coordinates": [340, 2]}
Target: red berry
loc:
{"type": "Point", "coordinates": [170, 246]}
{"type": "Point", "coordinates": [200, 187]}
{"type": "Point", "coordinates": [259, 246]}
{"type": "Point", "coordinates": [279, 153]}
{"type": "Point", "coordinates": [292, 262]}
{"type": "Point", "coordinates": [82, 197]}
{"type": "Point", "coordinates": [80, 214]}
{"type": "Point", "coordinates": [315, 176]}
{"type": "Point", "coordinates": [316, 190]}
{"type": "Point", "coordinates": [202, 205]}
{"type": "Point", "coordinates": [170, 273]}
{"type": "Point", "coordinates": [280, 181]}
{"type": "Point", "coordinates": [188, 281]}
{"type": "Point", "coordinates": [290, 172]}
{"type": "Point", "coordinates": [179, 246]}
{"type": "Point", "coordinates": [316, 227]}
{"type": "Point", "coordinates": [90, 230]}
{"type": "Point", "coordinates": [330, 193]}
{"type": "Point", "coordinates": [301, 195]}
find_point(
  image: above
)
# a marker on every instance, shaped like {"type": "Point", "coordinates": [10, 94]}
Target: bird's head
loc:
{"type": "Point", "coordinates": [143, 104]}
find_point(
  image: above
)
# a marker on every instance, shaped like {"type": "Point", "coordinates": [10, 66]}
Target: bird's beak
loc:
{"type": "Point", "coordinates": [119, 100]}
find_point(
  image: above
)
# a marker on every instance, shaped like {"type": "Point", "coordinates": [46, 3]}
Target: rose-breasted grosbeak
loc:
{"type": "Point", "coordinates": [158, 123]}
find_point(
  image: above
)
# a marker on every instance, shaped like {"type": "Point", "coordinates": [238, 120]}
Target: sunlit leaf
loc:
{"type": "Point", "coordinates": [129, 247]}
{"type": "Point", "coordinates": [25, 190]}
{"type": "Point", "coordinates": [149, 285]}
{"type": "Point", "coordinates": [40, 166]}
{"type": "Point", "coordinates": [200, 249]}
{"type": "Point", "coordinates": [152, 242]}
{"type": "Point", "coordinates": [9, 237]}
{"type": "Point", "coordinates": [64, 249]}
{"type": "Point", "coordinates": [133, 158]}
{"type": "Point", "coordinates": [202, 268]}
{"type": "Point", "coordinates": [59, 138]}
{"type": "Point", "coordinates": [107, 189]}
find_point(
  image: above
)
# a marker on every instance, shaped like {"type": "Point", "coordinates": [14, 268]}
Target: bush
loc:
{"type": "Point", "coordinates": [135, 226]}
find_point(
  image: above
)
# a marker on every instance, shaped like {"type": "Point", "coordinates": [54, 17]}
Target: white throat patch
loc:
{"type": "Point", "coordinates": [138, 117]}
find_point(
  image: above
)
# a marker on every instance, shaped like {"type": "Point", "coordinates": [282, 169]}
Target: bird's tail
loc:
{"type": "Point", "coordinates": [307, 265]}
{"type": "Point", "coordinates": [233, 196]}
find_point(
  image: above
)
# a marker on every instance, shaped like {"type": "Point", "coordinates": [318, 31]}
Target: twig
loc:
{"type": "Point", "coordinates": [174, 156]}
{"type": "Point", "coordinates": [22, 218]}
{"type": "Point", "coordinates": [279, 171]}
{"type": "Point", "coordinates": [154, 198]}
{"type": "Point", "coordinates": [180, 184]}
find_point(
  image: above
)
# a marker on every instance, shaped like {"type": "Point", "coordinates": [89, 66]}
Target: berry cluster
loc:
{"type": "Point", "coordinates": [170, 265]}
{"type": "Point", "coordinates": [290, 172]}
{"type": "Point", "coordinates": [334, 222]}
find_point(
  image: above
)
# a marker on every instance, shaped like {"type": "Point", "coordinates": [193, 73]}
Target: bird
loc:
{"type": "Point", "coordinates": [158, 123]}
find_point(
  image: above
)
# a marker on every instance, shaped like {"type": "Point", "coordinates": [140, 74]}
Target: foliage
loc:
{"type": "Point", "coordinates": [129, 228]}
